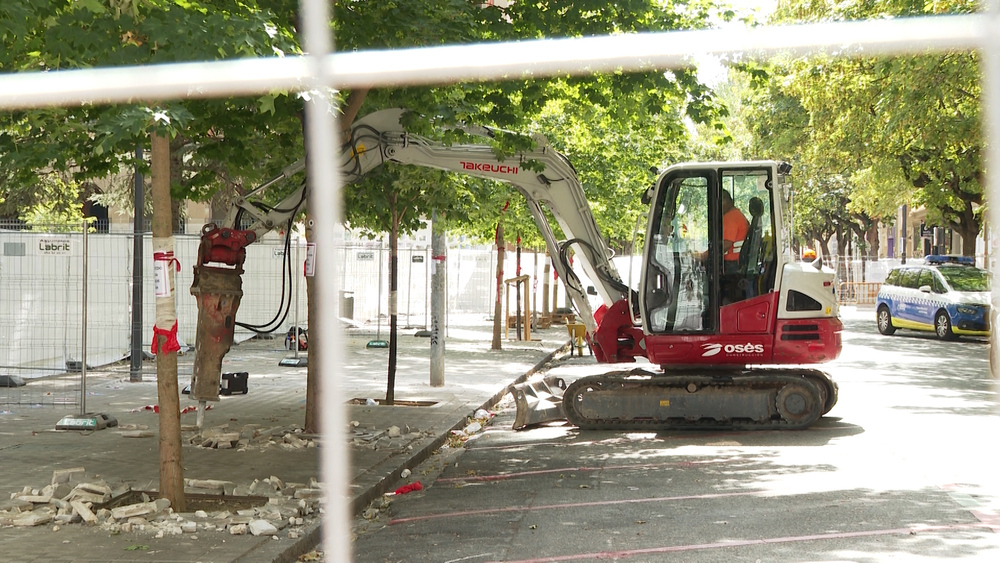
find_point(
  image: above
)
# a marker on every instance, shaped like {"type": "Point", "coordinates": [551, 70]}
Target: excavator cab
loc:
{"type": "Point", "coordinates": [710, 246]}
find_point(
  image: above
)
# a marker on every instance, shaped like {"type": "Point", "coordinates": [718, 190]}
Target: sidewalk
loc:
{"type": "Point", "coordinates": [267, 441]}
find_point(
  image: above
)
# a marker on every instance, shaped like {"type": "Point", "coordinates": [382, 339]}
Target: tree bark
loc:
{"type": "Point", "coordinates": [390, 390]}
{"type": "Point", "coordinates": [171, 470]}
{"type": "Point", "coordinates": [498, 320]}
{"type": "Point", "coordinates": [312, 425]}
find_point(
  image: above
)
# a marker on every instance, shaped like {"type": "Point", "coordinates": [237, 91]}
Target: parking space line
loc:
{"type": "Point", "coordinates": [747, 543]}
{"type": "Point", "coordinates": [582, 469]}
{"type": "Point", "coordinates": [487, 511]}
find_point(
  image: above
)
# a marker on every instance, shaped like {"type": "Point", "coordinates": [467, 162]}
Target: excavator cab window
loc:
{"type": "Point", "coordinates": [677, 293]}
{"type": "Point", "coordinates": [753, 273]}
{"type": "Point", "coordinates": [703, 254]}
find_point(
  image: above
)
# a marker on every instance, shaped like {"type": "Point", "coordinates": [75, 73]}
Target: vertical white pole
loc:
{"type": "Point", "coordinates": [325, 201]}
{"type": "Point", "coordinates": [83, 337]}
{"type": "Point", "coordinates": [990, 54]}
{"type": "Point", "coordinates": [297, 274]}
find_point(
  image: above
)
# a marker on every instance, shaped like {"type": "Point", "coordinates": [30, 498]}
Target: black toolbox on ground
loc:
{"type": "Point", "coordinates": [233, 383]}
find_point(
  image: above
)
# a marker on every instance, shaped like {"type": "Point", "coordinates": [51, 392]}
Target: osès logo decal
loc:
{"type": "Point", "coordinates": [748, 349]}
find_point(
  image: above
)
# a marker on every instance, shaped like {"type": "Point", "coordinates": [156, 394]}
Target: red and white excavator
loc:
{"type": "Point", "coordinates": [728, 338]}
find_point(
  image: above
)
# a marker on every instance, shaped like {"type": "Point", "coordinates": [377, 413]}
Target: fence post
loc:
{"type": "Point", "coordinates": [135, 371]}
{"type": "Point", "coordinates": [83, 338]}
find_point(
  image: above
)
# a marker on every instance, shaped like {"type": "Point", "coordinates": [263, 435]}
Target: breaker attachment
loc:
{"type": "Point", "coordinates": [218, 291]}
{"type": "Point", "coordinates": [538, 401]}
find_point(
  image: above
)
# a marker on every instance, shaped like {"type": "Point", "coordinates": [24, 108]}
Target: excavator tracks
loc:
{"type": "Point", "coordinates": [759, 399]}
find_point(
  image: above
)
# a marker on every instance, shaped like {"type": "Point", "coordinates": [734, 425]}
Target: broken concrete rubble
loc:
{"type": "Point", "coordinates": [63, 504]}
{"type": "Point", "coordinates": [252, 437]}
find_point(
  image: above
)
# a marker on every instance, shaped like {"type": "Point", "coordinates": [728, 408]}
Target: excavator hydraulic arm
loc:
{"type": "Point", "coordinates": [542, 175]}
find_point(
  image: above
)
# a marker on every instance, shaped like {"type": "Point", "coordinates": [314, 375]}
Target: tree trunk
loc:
{"type": "Point", "coordinates": [498, 319]}
{"type": "Point", "coordinates": [315, 348]}
{"type": "Point", "coordinates": [874, 245]}
{"type": "Point", "coordinates": [390, 390]}
{"type": "Point", "coordinates": [824, 246]}
{"type": "Point", "coordinates": [171, 470]}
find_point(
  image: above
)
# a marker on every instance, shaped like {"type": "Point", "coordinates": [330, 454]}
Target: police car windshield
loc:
{"type": "Point", "coordinates": [965, 278]}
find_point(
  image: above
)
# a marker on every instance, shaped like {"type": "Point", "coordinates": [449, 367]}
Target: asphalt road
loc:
{"type": "Point", "coordinates": [904, 468]}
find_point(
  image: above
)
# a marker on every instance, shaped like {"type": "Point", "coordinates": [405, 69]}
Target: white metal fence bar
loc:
{"type": "Point", "coordinates": [489, 61]}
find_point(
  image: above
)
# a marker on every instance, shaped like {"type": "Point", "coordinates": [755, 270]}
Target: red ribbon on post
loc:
{"type": "Point", "coordinates": [171, 345]}
{"type": "Point", "coordinates": [168, 257]}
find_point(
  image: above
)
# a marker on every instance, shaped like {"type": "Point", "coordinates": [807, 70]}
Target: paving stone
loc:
{"type": "Point", "coordinates": [96, 488]}
{"type": "Point", "coordinates": [33, 518]}
{"type": "Point", "coordinates": [138, 509]}
{"type": "Point", "coordinates": [16, 504]}
{"type": "Point", "coordinates": [71, 475]}
{"type": "Point", "coordinates": [88, 497]}
{"type": "Point", "coordinates": [84, 511]}
{"type": "Point", "coordinates": [262, 527]}
{"type": "Point", "coordinates": [309, 494]}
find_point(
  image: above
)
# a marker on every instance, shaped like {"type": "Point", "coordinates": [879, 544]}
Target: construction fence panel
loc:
{"type": "Point", "coordinates": [42, 297]}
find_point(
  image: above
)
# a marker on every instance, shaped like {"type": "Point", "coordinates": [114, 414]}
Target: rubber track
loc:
{"type": "Point", "coordinates": [822, 387]}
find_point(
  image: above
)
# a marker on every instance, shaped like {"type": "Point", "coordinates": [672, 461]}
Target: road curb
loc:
{"type": "Point", "coordinates": [362, 500]}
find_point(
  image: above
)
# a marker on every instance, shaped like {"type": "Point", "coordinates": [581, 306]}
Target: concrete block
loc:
{"type": "Point", "coordinates": [207, 485]}
{"type": "Point", "coordinates": [87, 497]}
{"type": "Point", "coordinates": [262, 527]}
{"type": "Point", "coordinates": [128, 511]}
{"type": "Point", "coordinates": [61, 490]}
{"type": "Point", "coordinates": [71, 475]}
{"type": "Point", "coordinates": [96, 488]}
{"type": "Point", "coordinates": [309, 494]}
{"type": "Point", "coordinates": [16, 505]}
{"type": "Point", "coordinates": [238, 529]}
{"type": "Point", "coordinates": [84, 511]}
{"type": "Point", "coordinates": [33, 518]}
{"type": "Point", "coordinates": [35, 499]}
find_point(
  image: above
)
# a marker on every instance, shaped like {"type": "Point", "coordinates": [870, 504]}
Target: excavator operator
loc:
{"type": "Point", "coordinates": [734, 230]}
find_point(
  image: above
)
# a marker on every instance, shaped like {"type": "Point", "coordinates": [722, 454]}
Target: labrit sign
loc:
{"type": "Point", "coordinates": [55, 246]}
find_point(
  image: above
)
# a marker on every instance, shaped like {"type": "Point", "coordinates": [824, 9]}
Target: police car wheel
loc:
{"type": "Point", "coordinates": [942, 326]}
{"type": "Point", "coordinates": [884, 319]}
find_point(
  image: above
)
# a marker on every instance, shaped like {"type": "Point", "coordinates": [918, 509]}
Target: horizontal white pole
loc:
{"type": "Point", "coordinates": [487, 61]}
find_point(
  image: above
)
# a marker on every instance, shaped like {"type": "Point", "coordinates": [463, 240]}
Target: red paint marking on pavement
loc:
{"type": "Point", "coordinates": [486, 511]}
{"type": "Point", "coordinates": [989, 519]}
{"type": "Point", "coordinates": [984, 515]}
{"type": "Point", "coordinates": [504, 476]}
{"type": "Point", "coordinates": [746, 543]}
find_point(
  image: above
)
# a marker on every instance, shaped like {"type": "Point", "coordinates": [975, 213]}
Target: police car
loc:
{"type": "Point", "coordinates": [947, 295]}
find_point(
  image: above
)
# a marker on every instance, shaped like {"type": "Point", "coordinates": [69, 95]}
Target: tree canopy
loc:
{"type": "Point", "coordinates": [614, 126]}
{"type": "Point", "coordinates": [223, 142]}
{"type": "Point", "coordinates": [872, 133]}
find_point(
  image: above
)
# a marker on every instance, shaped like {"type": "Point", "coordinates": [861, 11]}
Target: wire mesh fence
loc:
{"type": "Point", "coordinates": [44, 299]}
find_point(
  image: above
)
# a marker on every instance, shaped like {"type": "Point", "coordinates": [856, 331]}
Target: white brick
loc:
{"type": "Point", "coordinates": [138, 509]}
{"type": "Point", "coordinates": [67, 475]}
{"type": "Point", "coordinates": [84, 511]}
{"type": "Point", "coordinates": [262, 528]}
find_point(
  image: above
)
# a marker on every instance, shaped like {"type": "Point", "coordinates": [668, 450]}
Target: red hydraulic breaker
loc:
{"type": "Point", "coordinates": [218, 291]}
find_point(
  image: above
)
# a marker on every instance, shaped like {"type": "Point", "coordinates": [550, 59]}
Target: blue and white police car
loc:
{"type": "Point", "coordinates": [947, 294]}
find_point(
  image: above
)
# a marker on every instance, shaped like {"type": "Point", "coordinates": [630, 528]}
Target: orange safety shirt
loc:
{"type": "Point", "coordinates": [734, 230]}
